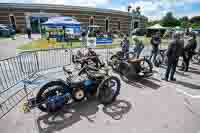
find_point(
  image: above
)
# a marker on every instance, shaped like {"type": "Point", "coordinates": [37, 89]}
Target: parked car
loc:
{"type": "Point", "coordinates": [6, 31]}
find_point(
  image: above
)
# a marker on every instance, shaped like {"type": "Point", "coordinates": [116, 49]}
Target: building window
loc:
{"type": "Point", "coordinates": [12, 21]}
{"type": "Point", "coordinates": [118, 25]}
{"type": "Point", "coordinates": [107, 25]}
{"type": "Point", "coordinates": [91, 21]}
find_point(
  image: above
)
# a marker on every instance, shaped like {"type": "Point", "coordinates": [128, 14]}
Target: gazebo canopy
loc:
{"type": "Point", "coordinates": [157, 27]}
{"type": "Point", "coordinates": [62, 21]}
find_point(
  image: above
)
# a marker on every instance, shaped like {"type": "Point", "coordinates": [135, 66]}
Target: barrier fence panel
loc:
{"type": "Point", "coordinates": [53, 58]}
{"type": "Point", "coordinates": [24, 66]}
{"type": "Point", "coordinates": [15, 69]}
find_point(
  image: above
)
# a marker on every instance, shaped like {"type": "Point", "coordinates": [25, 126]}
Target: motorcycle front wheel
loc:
{"type": "Point", "coordinates": [109, 90]}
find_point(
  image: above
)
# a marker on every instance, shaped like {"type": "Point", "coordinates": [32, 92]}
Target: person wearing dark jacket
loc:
{"type": "Point", "coordinates": [125, 47]}
{"type": "Point", "coordinates": [28, 30]}
{"type": "Point", "coordinates": [188, 53]}
{"type": "Point", "coordinates": [173, 53]}
{"type": "Point", "coordinates": [155, 42]}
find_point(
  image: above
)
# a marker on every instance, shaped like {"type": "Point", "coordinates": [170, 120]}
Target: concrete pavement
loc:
{"type": "Point", "coordinates": [146, 106]}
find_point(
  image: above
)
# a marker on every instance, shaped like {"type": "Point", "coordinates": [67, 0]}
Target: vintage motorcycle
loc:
{"type": "Point", "coordinates": [87, 60]}
{"type": "Point", "coordinates": [132, 68]}
{"type": "Point", "coordinates": [54, 95]}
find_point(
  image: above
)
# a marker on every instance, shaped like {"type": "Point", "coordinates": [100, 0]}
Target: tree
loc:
{"type": "Point", "coordinates": [170, 21]}
{"type": "Point", "coordinates": [195, 19]}
{"type": "Point", "coordinates": [185, 23]}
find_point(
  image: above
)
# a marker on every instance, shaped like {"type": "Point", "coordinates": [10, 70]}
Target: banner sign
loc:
{"type": "Point", "coordinates": [104, 41]}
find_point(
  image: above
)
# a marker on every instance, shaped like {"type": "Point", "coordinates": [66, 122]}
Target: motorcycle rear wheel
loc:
{"type": "Point", "coordinates": [48, 90]}
{"type": "Point", "coordinates": [108, 92]}
{"type": "Point", "coordinates": [146, 66]}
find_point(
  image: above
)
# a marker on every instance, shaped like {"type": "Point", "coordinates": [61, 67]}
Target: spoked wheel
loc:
{"type": "Point", "coordinates": [109, 90]}
{"type": "Point", "coordinates": [48, 91]}
{"type": "Point", "coordinates": [127, 72]}
{"type": "Point", "coordinates": [146, 67]}
{"type": "Point", "coordinates": [132, 55]}
{"type": "Point", "coordinates": [114, 62]}
{"type": "Point", "coordinates": [196, 58]}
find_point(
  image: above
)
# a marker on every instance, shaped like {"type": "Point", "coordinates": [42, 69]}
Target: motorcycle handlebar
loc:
{"type": "Point", "coordinates": [86, 68]}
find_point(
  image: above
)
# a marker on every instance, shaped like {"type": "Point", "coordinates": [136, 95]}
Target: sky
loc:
{"type": "Point", "coordinates": [153, 9]}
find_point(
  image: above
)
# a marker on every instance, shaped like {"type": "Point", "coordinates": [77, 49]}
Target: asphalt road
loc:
{"type": "Point", "coordinates": [146, 106]}
{"type": "Point", "coordinates": [8, 46]}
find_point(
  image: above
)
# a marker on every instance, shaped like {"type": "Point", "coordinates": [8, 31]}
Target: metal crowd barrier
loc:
{"type": "Point", "coordinates": [16, 70]}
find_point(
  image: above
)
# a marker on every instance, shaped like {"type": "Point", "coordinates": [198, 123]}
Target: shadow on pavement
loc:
{"type": "Point", "coordinates": [188, 85]}
{"type": "Point", "coordinates": [51, 123]}
{"type": "Point", "coordinates": [181, 73]}
{"type": "Point", "coordinates": [117, 109]}
{"type": "Point", "coordinates": [194, 72]}
{"type": "Point", "coordinates": [142, 83]}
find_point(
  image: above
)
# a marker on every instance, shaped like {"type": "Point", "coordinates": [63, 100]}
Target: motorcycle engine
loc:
{"type": "Point", "coordinates": [78, 94]}
{"type": "Point", "coordinates": [55, 103]}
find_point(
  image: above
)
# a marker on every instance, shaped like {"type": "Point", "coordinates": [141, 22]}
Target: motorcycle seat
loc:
{"type": "Point", "coordinates": [132, 61]}
{"type": "Point", "coordinates": [68, 71]}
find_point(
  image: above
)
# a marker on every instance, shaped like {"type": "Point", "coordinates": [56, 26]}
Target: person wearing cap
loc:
{"type": "Point", "coordinates": [139, 46]}
{"type": "Point", "coordinates": [125, 47]}
{"type": "Point", "coordinates": [189, 51]}
{"type": "Point", "coordinates": [174, 51]}
{"type": "Point", "coordinates": [155, 42]}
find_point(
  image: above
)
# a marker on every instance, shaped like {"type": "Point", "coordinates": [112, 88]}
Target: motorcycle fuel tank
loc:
{"type": "Point", "coordinates": [88, 83]}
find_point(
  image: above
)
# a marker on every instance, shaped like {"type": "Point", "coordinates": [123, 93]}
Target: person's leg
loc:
{"type": "Point", "coordinates": [183, 62]}
{"type": "Point", "coordinates": [174, 65]}
{"type": "Point", "coordinates": [169, 65]}
{"type": "Point", "coordinates": [152, 53]}
{"type": "Point", "coordinates": [188, 63]}
{"type": "Point", "coordinates": [138, 52]}
{"type": "Point", "coordinates": [155, 54]}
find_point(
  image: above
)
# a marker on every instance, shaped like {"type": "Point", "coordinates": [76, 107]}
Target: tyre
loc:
{"type": "Point", "coordinates": [132, 55]}
{"type": "Point", "coordinates": [109, 90]}
{"type": "Point", "coordinates": [159, 60]}
{"type": "Point", "coordinates": [146, 66]}
{"type": "Point", "coordinates": [114, 62]}
{"type": "Point", "coordinates": [54, 88]}
{"type": "Point", "coordinates": [196, 58]}
{"type": "Point", "coordinates": [127, 72]}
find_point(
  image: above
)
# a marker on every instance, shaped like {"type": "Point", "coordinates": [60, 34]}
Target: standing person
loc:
{"type": "Point", "coordinates": [28, 30]}
{"type": "Point", "coordinates": [189, 51]}
{"type": "Point", "coordinates": [125, 47]}
{"type": "Point", "coordinates": [173, 53]}
{"type": "Point", "coordinates": [139, 46]}
{"type": "Point", "coordinates": [12, 33]}
{"type": "Point", "coordinates": [155, 42]}
{"type": "Point", "coordinates": [84, 40]}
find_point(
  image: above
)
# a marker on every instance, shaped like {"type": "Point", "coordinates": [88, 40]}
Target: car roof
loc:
{"type": "Point", "coordinates": [4, 26]}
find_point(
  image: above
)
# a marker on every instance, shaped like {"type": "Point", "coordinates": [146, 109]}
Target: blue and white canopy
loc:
{"type": "Point", "coordinates": [62, 21]}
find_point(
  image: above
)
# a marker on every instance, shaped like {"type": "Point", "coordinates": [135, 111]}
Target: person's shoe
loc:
{"type": "Point", "coordinates": [165, 79]}
{"type": "Point", "coordinates": [173, 79]}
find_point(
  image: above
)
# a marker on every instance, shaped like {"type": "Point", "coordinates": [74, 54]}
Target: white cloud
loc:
{"type": "Point", "coordinates": [91, 3]}
{"type": "Point", "coordinates": [122, 8]}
